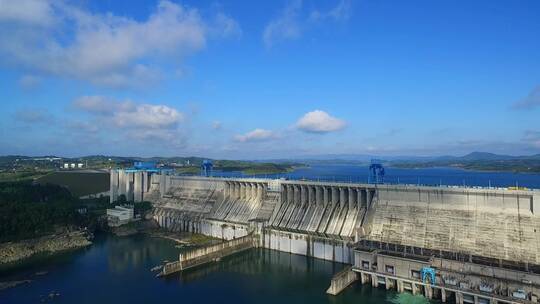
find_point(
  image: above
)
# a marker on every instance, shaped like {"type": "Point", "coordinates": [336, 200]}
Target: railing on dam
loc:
{"type": "Point", "coordinates": [362, 181]}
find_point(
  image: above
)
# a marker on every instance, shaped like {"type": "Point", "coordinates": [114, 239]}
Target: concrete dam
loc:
{"type": "Point", "coordinates": [471, 245]}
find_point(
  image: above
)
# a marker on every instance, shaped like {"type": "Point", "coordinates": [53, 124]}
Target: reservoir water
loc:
{"type": "Point", "coordinates": [117, 270]}
{"type": "Point", "coordinates": [423, 176]}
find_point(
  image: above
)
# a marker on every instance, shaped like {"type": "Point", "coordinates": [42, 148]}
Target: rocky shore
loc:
{"type": "Point", "coordinates": [18, 251]}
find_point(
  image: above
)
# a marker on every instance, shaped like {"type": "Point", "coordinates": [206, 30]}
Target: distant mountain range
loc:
{"type": "Point", "coordinates": [474, 156]}
{"type": "Point", "coordinates": [475, 160]}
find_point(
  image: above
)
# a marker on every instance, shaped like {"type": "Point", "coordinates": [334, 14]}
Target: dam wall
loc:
{"type": "Point", "coordinates": [501, 224]}
{"type": "Point", "coordinates": [325, 220]}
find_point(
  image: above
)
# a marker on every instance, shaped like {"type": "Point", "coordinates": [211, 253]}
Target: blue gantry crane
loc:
{"type": "Point", "coordinates": [376, 172]}
{"type": "Point", "coordinates": [428, 272]}
{"type": "Point", "coordinates": [206, 168]}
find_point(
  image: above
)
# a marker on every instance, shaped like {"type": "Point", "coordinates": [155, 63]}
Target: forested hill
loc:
{"type": "Point", "coordinates": [30, 210]}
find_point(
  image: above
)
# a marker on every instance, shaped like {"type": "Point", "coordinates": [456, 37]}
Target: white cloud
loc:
{"type": "Point", "coordinates": [532, 137]}
{"type": "Point", "coordinates": [529, 102]}
{"type": "Point", "coordinates": [26, 11]}
{"type": "Point", "coordinates": [341, 12]}
{"type": "Point", "coordinates": [33, 116]}
{"type": "Point", "coordinates": [319, 122]}
{"type": "Point", "coordinates": [292, 21]}
{"type": "Point", "coordinates": [217, 125]}
{"type": "Point", "coordinates": [104, 49]}
{"type": "Point", "coordinates": [286, 26]}
{"type": "Point", "coordinates": [29, 81]}
{"type": "Point", "coordinates": [127, 114]}
{"type": "Point", "coordinates": [226, 26]}
{"type": "Point", "coordinates": [256, 135]}
{"type": "Point", "coordinates": [102, 105]}
{"type": "Point", "coordinates": [149, 116]}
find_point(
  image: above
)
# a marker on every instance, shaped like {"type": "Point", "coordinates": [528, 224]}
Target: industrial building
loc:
{"type": "Point", "coordinates": [120, 215]}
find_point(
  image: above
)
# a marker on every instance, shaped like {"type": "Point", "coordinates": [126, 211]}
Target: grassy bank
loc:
{"type": "Point", "coordinates": [78, 183]}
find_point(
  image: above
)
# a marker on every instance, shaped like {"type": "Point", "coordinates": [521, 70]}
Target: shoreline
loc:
{"type": "Point", "coordinates": [17, 252]}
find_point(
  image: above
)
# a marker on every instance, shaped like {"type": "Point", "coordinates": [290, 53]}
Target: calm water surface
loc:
{"type": "Point", "coordinates": [117, 270]}
{"type": "Point", "coordinates": [425, 176]}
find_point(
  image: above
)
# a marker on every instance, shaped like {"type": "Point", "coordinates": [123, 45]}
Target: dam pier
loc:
{"type": "Point", "coordinates": [468, 245]}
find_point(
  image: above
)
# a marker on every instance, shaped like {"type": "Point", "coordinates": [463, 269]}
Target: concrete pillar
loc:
{"type": "Point", "coordinates": [352, 198]}
{"type": "Point", "coordinates": [311, 195]}
{"type": "Point", "coordinates": [129, 186]}
{"type": "Point", "coordinates": [459, 297]}
{"type": "Point", "coordinates": [443, 295]}
{"type": "Point", "coordinates": [326, 195]}
{"type": "Point", "coordinates": [363, 198]}
{"type": "Point", "coordinates": [370, 195]}
{"type": "Point", "coordinates": [137, 187]}
{"type": "Point", "coordinates": [144, 176]}
{"type": "Point", "coordinates": [162, 184]}
{"type": "Point", "coordinates": [284, 198]}
{"type": "Point", "coordinates": [428, 292]}
{"type": "Point", "coordinates": [122, 182]}
{"type": "Point", "coordinates": [414, 288]}
{"type": "Point", "coordinates": [296, 194]}
{"type": "Point", "coordinates": [290, 195]}
{"type": "Point", "coordinates": [303, 194]}
{"type": "Point", "coordinates": [364, 278]}
{"type": "Point", "coordinates": [399, 284]}
{"type": "Point", "coordinates": [387, 283]}
{"type": "Point", "coordinates": [227, 189]}
{"type": "Point", "coordinates": [260, 191]}
{"type": "Point", "coordinates": [335, 195]}
{"type": "Point", "coordinates": [374, 281]}
{"type": "Point", "coordinates": [319, 199]}
{"type": "Point", "coordinates": [342, 197]}
{"type": "Point", "coordinates": [254, 190]}
{"type": "Point", "coordinates": [113, 186]}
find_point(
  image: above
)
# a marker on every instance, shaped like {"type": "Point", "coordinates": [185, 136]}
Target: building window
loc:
{"type": "Point", "coordinates": [389, 269]}
{"type": "Point", "coordinates": [416, 274]}
{"type": "Point", "coordinates": [365, 264]}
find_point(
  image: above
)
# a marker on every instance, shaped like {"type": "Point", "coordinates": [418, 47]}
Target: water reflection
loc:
{"type": "Point", "coordinates": [118, 270]}
{"type": "Point", "coordinates": [123, 256]}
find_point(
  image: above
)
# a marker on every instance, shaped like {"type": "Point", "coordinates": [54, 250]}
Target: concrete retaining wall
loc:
{"type": "Point", "coordinates": [312, 246]}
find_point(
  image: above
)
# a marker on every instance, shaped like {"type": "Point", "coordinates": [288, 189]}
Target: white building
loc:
{"type": "Point", "coordinates": [120, 215]}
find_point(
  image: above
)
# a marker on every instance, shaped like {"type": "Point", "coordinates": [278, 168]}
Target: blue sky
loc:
{"type": "Point", "coordinates": [247, 79]}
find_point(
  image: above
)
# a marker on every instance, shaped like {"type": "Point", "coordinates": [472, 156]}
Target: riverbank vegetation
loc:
{"type": "Point", "coordinates": [249, 168]}
{"type": "Point", "coordinates": [29, 210]}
